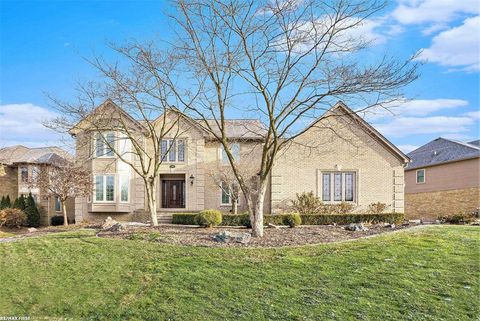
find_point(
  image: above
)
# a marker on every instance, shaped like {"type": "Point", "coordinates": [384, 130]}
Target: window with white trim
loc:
{"type": "Point", "coordinates": [104, 188]}
{"type": "Point", "coordinates": [420, 176]}
{"type": "Point", "coordinates": [24, 174]}
{"type": "Point", "coordinates": [58, 204]}
{"type": "Point", "coordinates": [124, 188]}
{"type": "Point", "coordinates": [234, 149]}
{"type": "Point", "coordinates": [172, 150]}
{"type": "Point", "coordinates": [226, 194]}
{"type": "Point", "coordinates": [102, 143]}
{"type": "Point", "coordinates": [339, 187]}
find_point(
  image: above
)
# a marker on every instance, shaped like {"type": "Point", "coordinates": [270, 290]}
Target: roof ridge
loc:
{"type": "Point", "coordinates": [461, 143]}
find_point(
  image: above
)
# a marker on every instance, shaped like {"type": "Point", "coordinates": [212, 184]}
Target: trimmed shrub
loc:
{"type": "Point", "coordinates": [457, 219]}
{"type": "Point", "coordinates": [56, 220]}
{"type": "Point", "coordinates": [343, 219]}
{"type": "Point", "coordinates": [3, 203]}
{"type": "Point", "coordinates": [307, 203]}
{"type": "Point", "coordinates": [12, 217]}
{"type": "Point", "coordinates": [209, 218]}
{"type": "Point", "coordinates": [377, 208]}
{"type": "Point", "coordinates": [184, 218]}
{"type": "Point", "coordinates": [290, 219]}
{"type": "Point", "coordinates": [293, 219]}
{"type": "Point", "coordinates": [236, 220]}
{"type": "Point", "coordinates": [33, 215]}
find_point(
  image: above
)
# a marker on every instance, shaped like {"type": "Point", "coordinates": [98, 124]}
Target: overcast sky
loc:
{"type": "Point", "coordinates": [43, 42]}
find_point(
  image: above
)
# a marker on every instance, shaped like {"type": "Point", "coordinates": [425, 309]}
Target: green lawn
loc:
{"type": "Point", "coordinates": [424, 274]}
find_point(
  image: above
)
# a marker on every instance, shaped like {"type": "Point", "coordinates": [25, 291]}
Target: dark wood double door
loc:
{"type": "Point", "coordinates": [173, 193]}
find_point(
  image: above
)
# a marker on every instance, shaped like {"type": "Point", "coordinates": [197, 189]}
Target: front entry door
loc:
{"type": "Point", "coordinates": [173, 194]}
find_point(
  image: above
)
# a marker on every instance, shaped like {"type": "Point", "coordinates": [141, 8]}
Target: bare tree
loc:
{"type": "Point", "coordinates": [285, 61]}
{"type": "Point", "coordinates": [135, 110]}
{"type": "Point", "coordinates": [65, 180]}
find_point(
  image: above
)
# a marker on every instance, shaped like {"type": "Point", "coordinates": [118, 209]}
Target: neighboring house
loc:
{"type": "Point", "coordinates": [348, 161]}
{"type": "Point", "coordinates": [443, 179]}
{"type": "Point", "coordinates": [19, 167]}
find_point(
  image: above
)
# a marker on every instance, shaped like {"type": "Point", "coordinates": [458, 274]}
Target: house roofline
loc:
{"type": "Point", "coordinates": [401, 155]}
{"type": "Point", "coordinates": [442, 163]}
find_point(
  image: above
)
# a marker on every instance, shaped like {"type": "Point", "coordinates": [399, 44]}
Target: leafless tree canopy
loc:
{"type": "Point", "coordinates": [64, 180]}
{"type": "Point", "coordinates": [285, 61]}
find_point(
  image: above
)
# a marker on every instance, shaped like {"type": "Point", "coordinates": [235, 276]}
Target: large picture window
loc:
{"type": "Point", "coordinates": [104, 188]}
{"type": "Point", "coordinates": [172, 150]}
{"type": "Point", "coordinates": [339, 186]}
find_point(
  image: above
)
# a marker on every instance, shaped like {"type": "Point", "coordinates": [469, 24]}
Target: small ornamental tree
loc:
{"type": "Point", "coordinates": [8, 202]}
{"type": "Point", "coordinates": [19, 203]}
{"type": "Point", "coordinates": [33, 215]}
{"type": "Point", "coordinates": [63, 181]}
{"type": "Point", "coordinates": [3, 203]}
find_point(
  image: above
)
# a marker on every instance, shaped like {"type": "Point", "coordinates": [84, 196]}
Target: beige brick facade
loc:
{"type": "Point", "coordinates": [339, 144]}
{"type": "Point", "coordinates": [431, 205]}
{"type": "Point", "coordinates": [378, 168]}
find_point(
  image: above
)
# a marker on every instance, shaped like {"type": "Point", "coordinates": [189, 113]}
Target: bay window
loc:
{"type": "Point", "coordinates": [338, 186]}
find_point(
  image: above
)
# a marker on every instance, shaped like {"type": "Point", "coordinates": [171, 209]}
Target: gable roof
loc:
{"type": "Point", "coordinates": [367, 127]}
{"type": "Point", "coordinates": [42, 155]}
{"type": "Point", "coordinates": [240, 128]}
{"type": "Point", "coordinates": [440, 151]}
{"type": "Point", "coordinates": [475, 142]}
{"type": "Point", "coordinates": [102, 107]}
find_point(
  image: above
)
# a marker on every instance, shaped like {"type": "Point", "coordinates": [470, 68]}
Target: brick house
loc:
{"type": "Point", "coordinates": [19, 166]}
{"type": "Point", "coordinates": [340, 158]}
{"type": "Point", "coordinates": [443, 179]}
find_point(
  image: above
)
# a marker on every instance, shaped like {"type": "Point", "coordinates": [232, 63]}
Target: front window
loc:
{"type": "Point", "coordinates": [104, 188]}
{"type": "Point", "coordinates": [339, 186]}
{"type": "Point", "coordinates": [420, 176]}
{"type": "Point", "coordinates": [225, 194]}
{"type": "Point", "coordinates": [172, 150]}
{"type": "Point", "coordinates": [104, 144]}
{"type": "Point", "coordinates": [234, 149]}
{"type": "Point", "coordinates": [24, 174]}
{"type": "Point", "coordinates": [124, 188]}
{"type": "Point", "coordinates": [58, 204]}
{"type": "Point", "coordinates": [35, 172]}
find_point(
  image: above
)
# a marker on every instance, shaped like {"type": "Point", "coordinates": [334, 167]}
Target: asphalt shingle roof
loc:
{"type": "Point", "coordinates": [40, 155]}
{"type": "Point", "coordinates": [442, 150]}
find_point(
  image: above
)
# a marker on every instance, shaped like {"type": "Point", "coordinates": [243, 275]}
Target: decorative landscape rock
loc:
{"type": "Point", "coordinates": [117, 227]}
{"type": "Point", "coordinates": [108, 223]}
{"type": "Point", "coordinates": [31, 230]}
{"type": "Point", "coordinates": [270, 225]}
{"type": "Point", "coordinates": [389, 225]}
{"type": "Point", "coordinates": [357, 227]}
{"type": "Point", "coordinates": [227, 237]}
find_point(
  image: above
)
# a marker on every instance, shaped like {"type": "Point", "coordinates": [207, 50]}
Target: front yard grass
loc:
{"type": "Point", "coordinates": [431, 273]}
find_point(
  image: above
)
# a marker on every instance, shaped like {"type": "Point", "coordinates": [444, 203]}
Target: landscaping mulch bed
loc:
{"type": "Point", "coordinates": [195, 236]}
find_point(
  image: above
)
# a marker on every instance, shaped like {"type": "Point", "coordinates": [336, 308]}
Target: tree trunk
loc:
{"type": "Point", "coordinates": [257, 222]}
{"type": "Point", "coordinates": [234, 206]}
{"type": "Point", "coordinates": [65, 216]}
{"type": "Point", "coordinates": [151, 189]}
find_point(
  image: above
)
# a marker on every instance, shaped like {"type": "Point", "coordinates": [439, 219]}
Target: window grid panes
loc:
{"type": "Point", "coordinates": [421, 176]}
{"type": "Point", "coordinates": [326, 187]}
{"type": "Point", "coordinates": [102, 143]}
{"type": "Point", "coordinates": [105, 188]}
{"type": "Point", "coordinates": [338, 186]}
{"type": "Point", "coordinates": [172, 150]}
{"type": "Point", "coordinates": [124, 188]}
{"type": "Point", "coordinates": [234, 149]}
{"type": "Point", "coordinates": [58, 205]}
{"type": "Point", "coordinates": [24, 174]}
{"type": "Point", "coordinates": [225, 193]}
